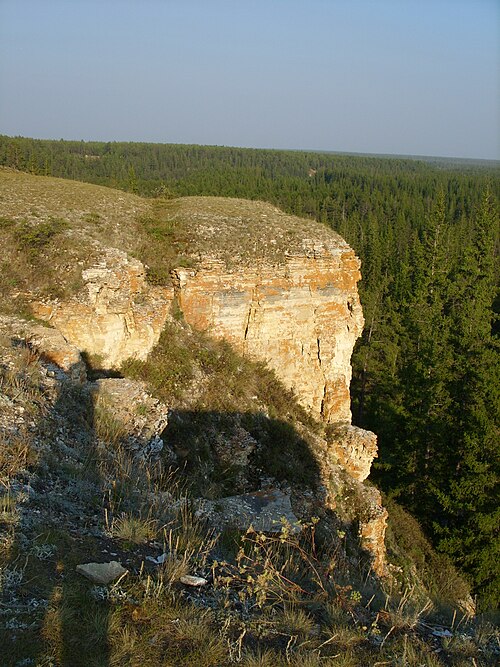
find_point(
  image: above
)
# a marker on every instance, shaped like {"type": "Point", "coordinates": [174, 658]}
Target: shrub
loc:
{"type": "Point", "coordinates": [432, 574]}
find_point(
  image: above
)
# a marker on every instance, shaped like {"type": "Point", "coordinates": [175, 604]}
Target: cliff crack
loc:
{"type": "Point", "coordinates": [323, 401]}
{"type": "Point", "coordinates": [319, 350]}
{"type": "Point", "coordinates": [247, 323]}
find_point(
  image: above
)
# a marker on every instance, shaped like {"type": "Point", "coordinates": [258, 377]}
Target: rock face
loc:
{"type": "Point", "coordinates": [49, 344]}
{"type": "Point", "coordinates": [142, 417]}
{"type": "Point", "coordinates": [279, 289]}
{"type": "Point", "coordinates": [372, 530]}
{"type": "Point", "coordinates": [117, 315]}
{"type": "Point", "coordinates": [302, 317]}
{"type": "Point", "coordinates": [55, 349]}
{"type": "Point", "coordinates": [285, 292]}
{"type": "Point", "coordinates": [353, 448]}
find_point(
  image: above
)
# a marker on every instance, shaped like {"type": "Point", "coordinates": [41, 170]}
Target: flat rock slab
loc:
{"type": "Point", "coordinates": [267, 511]}
{"type": "Point", "coordinates": [102, 573]}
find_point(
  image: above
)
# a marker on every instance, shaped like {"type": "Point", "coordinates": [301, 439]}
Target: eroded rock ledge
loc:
{"type": "Point", "coordinates": [116, 315]}
{"type": "Point", "coordinates": [300, 314]}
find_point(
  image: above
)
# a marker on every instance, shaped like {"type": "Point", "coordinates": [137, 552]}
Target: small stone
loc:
{"type": "Point", "coordinates": [102, 573]}
{"type": "Point", "coordinates": [157, 561]}
{"type": "Point", "coordinates": [189, 580]}
{"type": "Point", "coordinates": [267, 511]}
{"type": "Point", "coordinates": [439, 632]}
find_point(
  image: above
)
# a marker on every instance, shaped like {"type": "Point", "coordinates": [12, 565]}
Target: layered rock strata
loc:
{"type": "Point", "coordinates": [353, 448]}
{"type": "Point", "coordinates": [279, 289]}
{"type": "Point", "coordinates": [302, 317]}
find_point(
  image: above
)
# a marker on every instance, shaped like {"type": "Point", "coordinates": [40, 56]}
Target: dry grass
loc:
{"type": "Point", "coordinates": [134, 529]}
{"type": "Point", "coordinates": [295, 622]}
{"type": "Point", "coordinates": [107, 427]}
{"type": "Point", "coordinates": [164, 633]}
{"type": "Point", "coordinates": [276, 602]}
{"type": "Point", "coordinates": [101, 212]}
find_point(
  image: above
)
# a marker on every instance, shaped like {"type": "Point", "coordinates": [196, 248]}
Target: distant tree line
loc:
{"type": "Point", "coordinates": [426, 370]}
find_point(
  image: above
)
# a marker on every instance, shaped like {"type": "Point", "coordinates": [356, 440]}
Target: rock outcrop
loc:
{"type": "Point", "coordinates": [116, 316]}
{"type": "Point", "coordinates": [280, 289]}
{"type": "Point", "coordinates": [142, 417]}
{"type": "Point", "coordinates": [49, 344]}
{"type": "Point", "coordinates": [266, 511]}
{"type": "Point", "coordinates": [353, 448]}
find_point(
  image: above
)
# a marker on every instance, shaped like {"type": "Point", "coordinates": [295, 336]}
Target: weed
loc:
{"type": "Point", "coordinates": [16, 453]}
{"type": "Point", "coordinates": [168, 369]}
{"type": "Point", "coordinates": [411, 652]}
{"type": "Point", "coordinates": [260, 659]}
{"type": "Point", "coordinates": [162, 633]}
{"type": "Point", "coordinates": [107, 427]}
{"type": "Point", "coordinates": [174, 566]}
{"type": "Point", "coordinates": [10, 577]}
{"type": "Point", "coordinates": [405, 612]}
{"type": "Point", "coordinates": [279, 569]}
{"type": "Point", "coordinates": [92, 218]}
{"type": "Point", "coordinates": [7, 223]}
{"type": "Point", "coordinates": [186, 534]}
{"type": "Point", "coordinates": [33, 237]}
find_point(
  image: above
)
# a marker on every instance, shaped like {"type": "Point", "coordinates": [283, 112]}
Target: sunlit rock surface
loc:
{"type": "Point", "coordinates": [116, 315]}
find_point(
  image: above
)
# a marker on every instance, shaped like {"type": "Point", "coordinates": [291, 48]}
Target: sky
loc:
{"type": "Point", "coordinates": [408, 77]}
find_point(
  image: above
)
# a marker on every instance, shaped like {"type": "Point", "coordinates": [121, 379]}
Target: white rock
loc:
{"type": "Point", "coordinates": [189, 580]}
{"type": "Point", "coordinates": [157, 561]}
{"type": "Point", "coordinates": [102, 573]}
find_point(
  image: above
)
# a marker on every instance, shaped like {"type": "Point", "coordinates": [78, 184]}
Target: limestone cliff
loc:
{"type": "Point", "coordinates": [280, 289]}
{"type": "Point", "coordinates": [117, 315]}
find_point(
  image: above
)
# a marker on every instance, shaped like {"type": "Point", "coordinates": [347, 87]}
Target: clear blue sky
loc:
{"type": "Point", "coordinates": [381, 76]}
